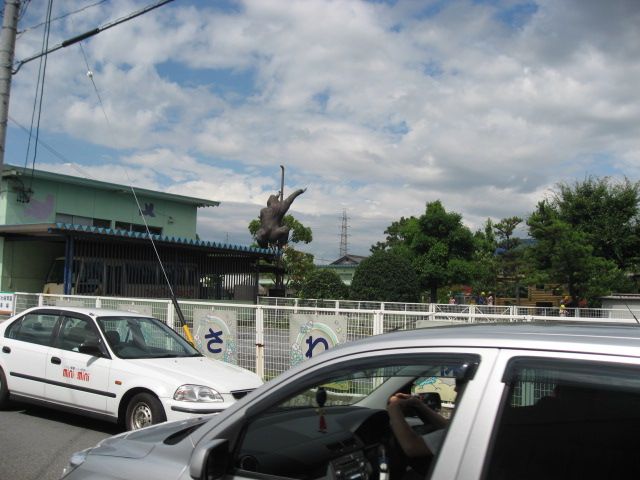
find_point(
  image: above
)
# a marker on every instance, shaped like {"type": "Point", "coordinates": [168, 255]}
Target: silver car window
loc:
{"type": "Point", "coordinates": [567, 419]}
{"type": "Point", "coordinates": [328, 425]}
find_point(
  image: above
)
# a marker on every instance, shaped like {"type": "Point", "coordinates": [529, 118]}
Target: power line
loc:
{"type": "Point", "coordinates": [65, 15]}
{"type": "Point", "coordinates": [95, 88]}
{"type": "Point", "coordinates": [41, 142]}
{"type": "Point", "coordinates": [174, 300]}
{"type": "Point", "coordinates": [39, 96]}
{"type": "Point", "coordinates": [91, 33]}
{"type": "Point", "coordinates": [23, 9]}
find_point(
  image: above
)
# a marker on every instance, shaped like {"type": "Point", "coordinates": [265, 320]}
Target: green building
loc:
{"type": "Point", "coordinates": [66, 234]}
{"type": "Point", "coordinates": [345, 267]}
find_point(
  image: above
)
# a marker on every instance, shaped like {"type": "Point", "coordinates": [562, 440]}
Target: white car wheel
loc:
{"type": "Point", "coordinates": [4, 390]}
{"type": "Point", "coordinates": [143, 410]}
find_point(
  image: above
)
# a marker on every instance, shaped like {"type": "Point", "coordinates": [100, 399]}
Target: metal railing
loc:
{"type": "Point", "coordinates": [263, 343]}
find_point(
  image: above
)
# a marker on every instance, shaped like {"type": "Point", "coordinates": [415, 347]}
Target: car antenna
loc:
{"type": "Point", "coordinates": [631, 311]}
{"type": "Point", "coordinates": [176, 305]}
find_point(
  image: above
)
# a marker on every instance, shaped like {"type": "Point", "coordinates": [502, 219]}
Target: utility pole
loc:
{"type": "Point", "coordinates": [7, 48]}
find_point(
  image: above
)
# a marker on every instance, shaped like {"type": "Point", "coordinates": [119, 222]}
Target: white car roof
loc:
{"type": "Point", "coordinates": [92, 312]}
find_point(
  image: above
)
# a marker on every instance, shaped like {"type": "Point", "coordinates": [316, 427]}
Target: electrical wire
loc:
{"type": "Point", "coordinates": [91, 33]}
{"type": "Point", "coordinates": [37, 101]}
{"type": "Point", "coordinates": [185, 327]}
{"type": "Point", "coordinates": [65, 15]}
{"type": "Point", "coordinates": [41, 142]}
{"type": "Point", "coordinates": [23, 9]}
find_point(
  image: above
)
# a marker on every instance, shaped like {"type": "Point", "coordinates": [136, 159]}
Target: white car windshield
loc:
{"type": "Point", "coordinates": [140, 337]}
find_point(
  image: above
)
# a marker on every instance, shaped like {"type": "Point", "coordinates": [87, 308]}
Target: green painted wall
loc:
{"type": "Point", "coordinates": [25, 264]}
{"type": "Point", "coordinates": [49, 198]}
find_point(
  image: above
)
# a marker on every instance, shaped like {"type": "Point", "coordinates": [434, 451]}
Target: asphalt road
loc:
{"type": "Point", "coordinates": [35, 442]}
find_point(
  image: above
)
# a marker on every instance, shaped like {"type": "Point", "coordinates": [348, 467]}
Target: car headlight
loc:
{"type": "Point", "coordinates": [197, 393]}
{"type": "Point", "coordinates": [75, 461]}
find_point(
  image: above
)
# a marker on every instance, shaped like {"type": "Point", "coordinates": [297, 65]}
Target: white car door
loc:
{"type": "Point", "coordinates": [78, 379]}
{"type": "Point", "coordinates": [25, 351]}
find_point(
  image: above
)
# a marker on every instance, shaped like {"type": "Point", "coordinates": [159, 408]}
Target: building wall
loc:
{"type": "Point", "coordinates": [624, 306]}
{"type": "Point", "coordinates": [50, 198]}
{"type": "Point", "coordinates": [25, 264]}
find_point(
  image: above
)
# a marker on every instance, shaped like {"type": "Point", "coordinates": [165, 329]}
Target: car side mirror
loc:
{"type": "Point", "coordinates": [92, 349]}
{"type": "Point", "coordinates": [210, 462]}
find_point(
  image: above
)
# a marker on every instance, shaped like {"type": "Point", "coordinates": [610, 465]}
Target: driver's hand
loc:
{"type": "Point", "coordinates": [403, 400]}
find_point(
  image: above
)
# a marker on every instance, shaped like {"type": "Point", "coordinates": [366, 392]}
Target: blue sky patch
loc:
{"type": "Point", "coordinates": [433, 69]}
{"type": "Point", "coordinates": [224, 82]}
{"type": "Point", "coordinates": [519, 15]}
{"type": "Point", "coordinates": [322, 99]}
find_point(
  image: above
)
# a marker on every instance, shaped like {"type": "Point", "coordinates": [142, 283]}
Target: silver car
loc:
{"type": "Point", "coordinates": [538, 401]}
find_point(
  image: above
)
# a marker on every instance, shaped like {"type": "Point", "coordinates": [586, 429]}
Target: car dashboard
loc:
{"type": "Point", "coordinates": [343, 442]}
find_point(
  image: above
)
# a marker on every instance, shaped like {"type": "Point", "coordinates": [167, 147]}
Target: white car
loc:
{"type": "Point", "coordinates": [112, 365]}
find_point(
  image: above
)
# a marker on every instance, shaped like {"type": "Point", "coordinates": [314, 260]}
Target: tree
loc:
{"type": "Point", "coordinates": [484, 273]}
{"type": "Point", "coordinates": [588, 236]}
{"type": "Point", "coordinates": [608, 213]}
{"type": "Point", "coordinates": [504, 229]}
{"type": "Point", "coordinates": [385, 277]}
{"type": "Point", "coordinates": [324, 283]}
{"type": "Point", "coordinates": [439, 246]}
{"type": "Point", "coordinates": [509, 257]}
{"type": "Point", "coordinates": [564, 254]}
{"type": "Point", "coordinates": [298, 265]}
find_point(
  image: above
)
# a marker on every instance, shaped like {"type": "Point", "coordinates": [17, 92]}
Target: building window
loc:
{"type": "Point", "coordinates": [80, 220]}
{"type": "Point", "coordinates": [101, 223]}
{"type": "Point", "coordinates": [136, 227]}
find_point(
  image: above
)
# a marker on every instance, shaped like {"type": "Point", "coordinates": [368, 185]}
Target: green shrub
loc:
{"type": "Point", "coordinates": [385, 277]}
{"type": "Point", "coordinates": [324, 283]}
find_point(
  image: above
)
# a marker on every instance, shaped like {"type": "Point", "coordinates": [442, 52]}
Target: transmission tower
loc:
{"type": "Point", "coordinates": [344, 234]}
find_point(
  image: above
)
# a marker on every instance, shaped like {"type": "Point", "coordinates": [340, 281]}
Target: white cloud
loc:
{"type": "Point", "coordinates": [377, 108]}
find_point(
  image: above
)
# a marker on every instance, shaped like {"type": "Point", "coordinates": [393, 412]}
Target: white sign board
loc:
{"type": "Point", "coordinates": [6, 303]}
{"type": "Point", "coordinates": [310, 335]}
{"type": "Point", "coordinates": [216, 334]}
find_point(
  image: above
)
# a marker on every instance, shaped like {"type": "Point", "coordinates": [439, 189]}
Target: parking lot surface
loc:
{"type": "Point", "coordinates": [36, 443]}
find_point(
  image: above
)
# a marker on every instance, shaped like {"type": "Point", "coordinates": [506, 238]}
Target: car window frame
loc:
{"type": "Point", "coordinates": [582, 362]}
{"type": "Point", "coordinates": [399, 357]}
{"type": "Point", "coordinates": [100, 319]}
{"type": "Point", "coordinates": [19, 321]}
{"type": "Point", "coordinates": [94, 328]}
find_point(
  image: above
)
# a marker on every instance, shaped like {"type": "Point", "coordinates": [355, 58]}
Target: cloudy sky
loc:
{"type": "Point", "coordinates": [377, 107]}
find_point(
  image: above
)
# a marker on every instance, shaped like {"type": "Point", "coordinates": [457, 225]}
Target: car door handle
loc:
{"type": "Point", "coordinates": [56, 360]}
{"type": "Point", "coordinates": [6, 350]}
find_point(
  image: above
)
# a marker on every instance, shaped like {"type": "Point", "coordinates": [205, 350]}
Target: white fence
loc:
{"type": "Point", "coordinates": [263, 329]}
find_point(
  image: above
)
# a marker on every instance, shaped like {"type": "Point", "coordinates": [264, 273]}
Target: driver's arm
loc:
{"type": "Point", "coordinates": [426, 414]}
{"type": "Point", "coordinates": [412, 444]}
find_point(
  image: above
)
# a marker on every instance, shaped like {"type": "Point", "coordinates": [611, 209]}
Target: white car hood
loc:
{"type": "Point", "coordinates": [222, 376]}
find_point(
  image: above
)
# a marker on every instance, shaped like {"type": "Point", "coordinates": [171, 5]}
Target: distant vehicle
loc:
{"type": "Point", "coordinates": [112, 365]}
{"type": "Point", "coordinates": [533, 401]}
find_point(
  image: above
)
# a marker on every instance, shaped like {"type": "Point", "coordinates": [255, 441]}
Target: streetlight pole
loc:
{"type": "Point", "coordinates": [7, 48]}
